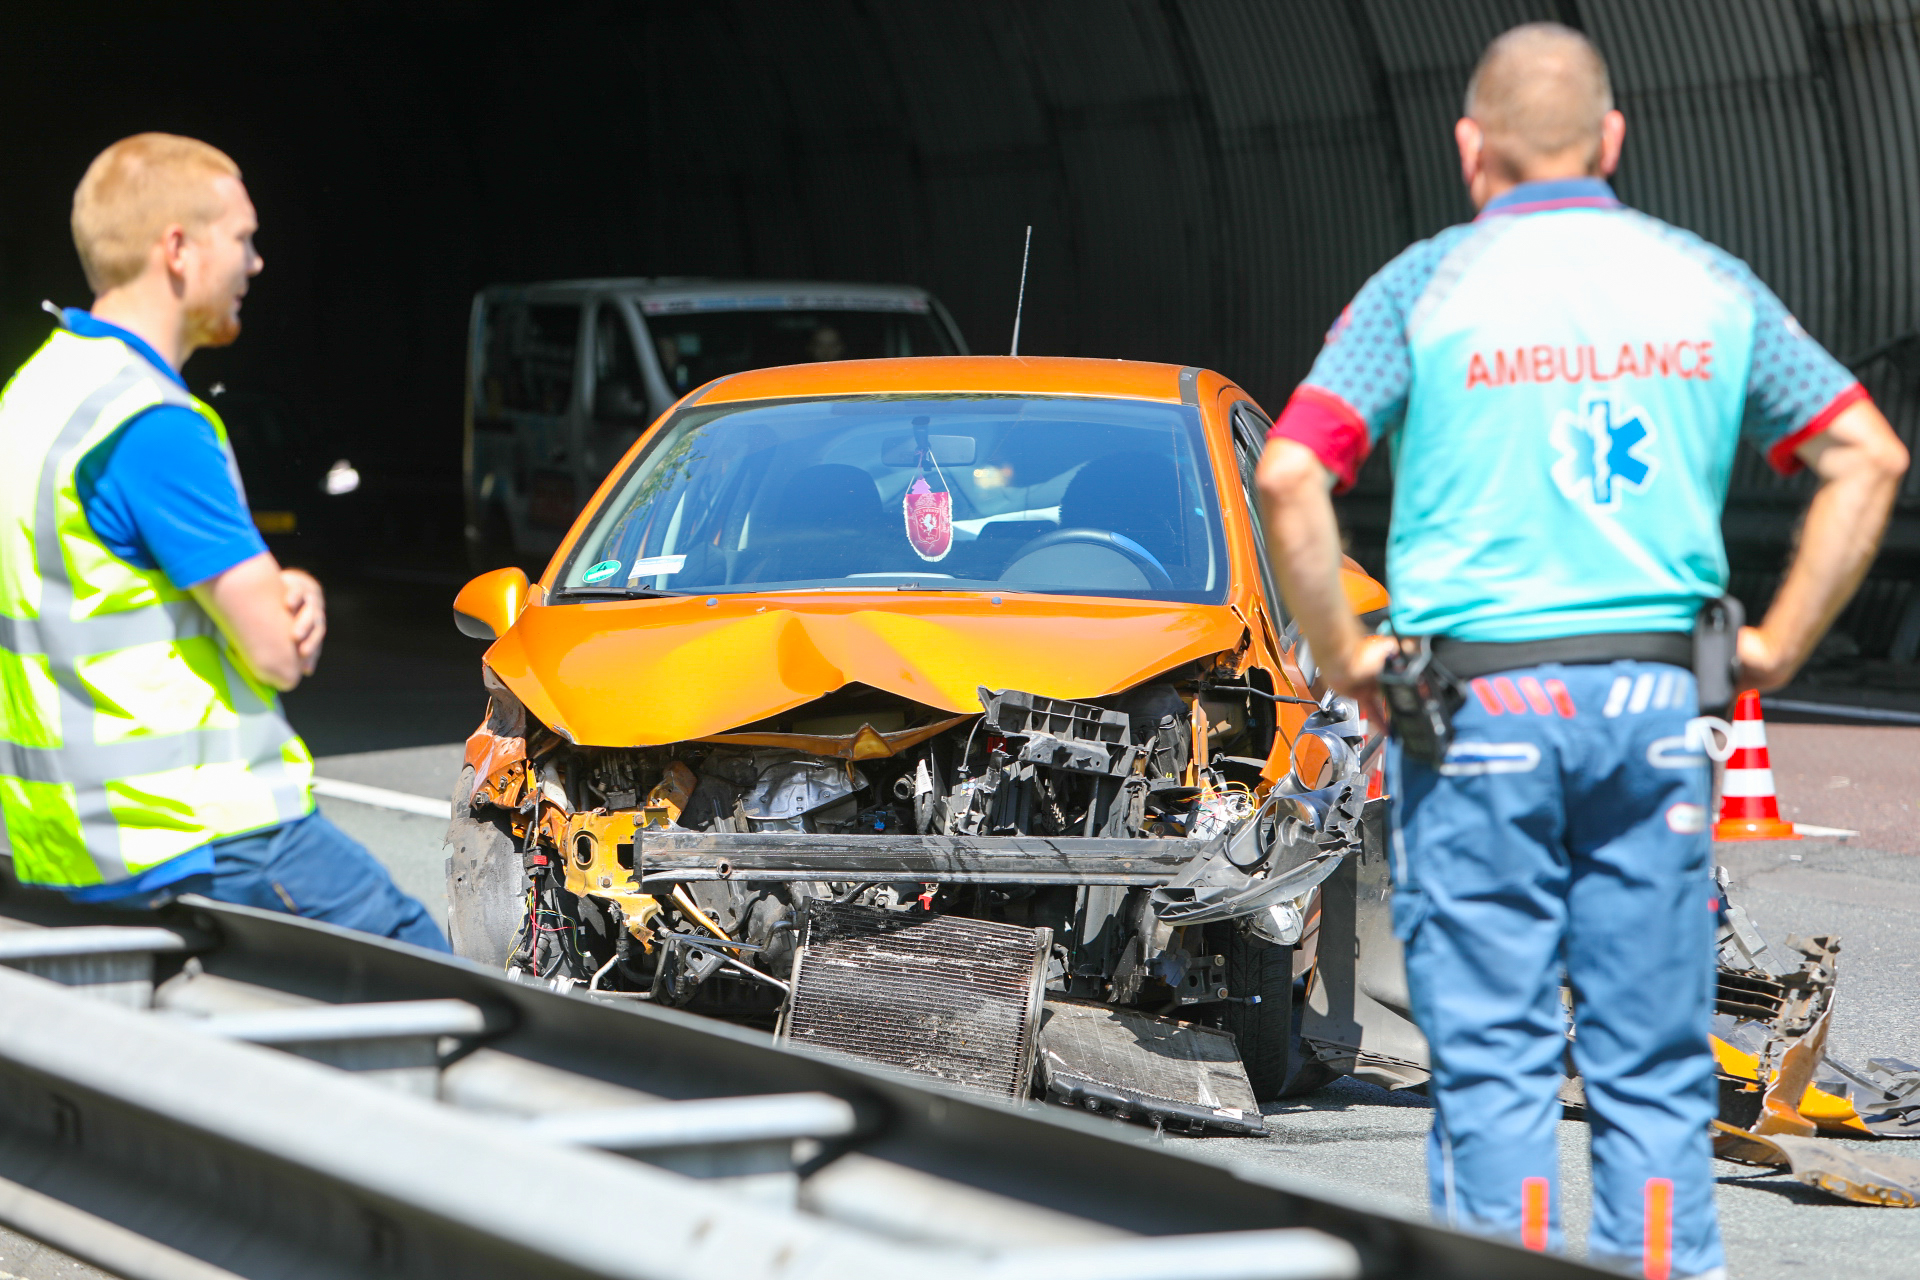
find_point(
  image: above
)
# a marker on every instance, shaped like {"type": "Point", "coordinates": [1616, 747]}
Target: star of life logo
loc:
{"type": "Point", "coordinates": [1604, 450]}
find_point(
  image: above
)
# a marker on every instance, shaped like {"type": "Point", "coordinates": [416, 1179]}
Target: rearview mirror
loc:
{"type": "Point", "coordinates": [948, 451]}
{"type": "Point", "coordinates": [487, 606]}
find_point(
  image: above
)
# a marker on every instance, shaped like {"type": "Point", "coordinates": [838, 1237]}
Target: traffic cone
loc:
{"type": "Point", "coordinates": [1749, 810]}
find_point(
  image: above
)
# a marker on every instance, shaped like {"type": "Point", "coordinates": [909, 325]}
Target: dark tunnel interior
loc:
{"type": "Point", "coordinates": [1207, 180]}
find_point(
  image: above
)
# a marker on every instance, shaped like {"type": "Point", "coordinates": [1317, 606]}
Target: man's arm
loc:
{"type": "Point", "coordinates": [162, 496]}
{"type": "Point", "coordinates": [1859, 461]}
{"type": "Point", "coordinates": [1304, 537]}
{"type": "Point", "coordinates": [275, 617]}
{"type": "Point", "coordinates": [1355, 394]}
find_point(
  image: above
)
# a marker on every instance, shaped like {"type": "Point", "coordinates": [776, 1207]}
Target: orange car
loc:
{"type": "Point", "coordinates": [910, 705]}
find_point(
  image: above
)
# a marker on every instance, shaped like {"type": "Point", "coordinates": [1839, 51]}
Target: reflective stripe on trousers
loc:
{"type": "Point", "coordinates": [1550, 842]}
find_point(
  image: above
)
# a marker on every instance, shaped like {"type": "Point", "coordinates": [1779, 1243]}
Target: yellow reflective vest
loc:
{"type": "Point", "coordinates": [131, 731]}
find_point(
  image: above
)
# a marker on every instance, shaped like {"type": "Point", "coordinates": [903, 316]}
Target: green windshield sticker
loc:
{"type": "Point", "coordinates": [601, 572]}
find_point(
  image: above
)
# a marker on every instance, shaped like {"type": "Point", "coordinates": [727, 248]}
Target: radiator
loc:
{"type": "Point", "coordinates": [942, 996]}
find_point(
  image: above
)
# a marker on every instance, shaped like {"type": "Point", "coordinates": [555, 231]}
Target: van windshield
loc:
{"type": "Point", "coordinates": [1051, 494]}
{"type": "Point", "coordinates": [697, 346]}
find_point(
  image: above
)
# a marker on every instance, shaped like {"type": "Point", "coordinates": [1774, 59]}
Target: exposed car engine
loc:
{"type": "Point", "coordinates": [693, 874]}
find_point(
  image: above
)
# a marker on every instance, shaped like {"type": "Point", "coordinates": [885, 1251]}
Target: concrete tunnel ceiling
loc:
{"type": "Point", "coordinates": [1208, 180]}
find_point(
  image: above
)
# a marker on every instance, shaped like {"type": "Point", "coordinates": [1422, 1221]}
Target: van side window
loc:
{"type": "Point", "coordinates": [530, 350]}
{"type": "Point", "coordinates": [619, 396]}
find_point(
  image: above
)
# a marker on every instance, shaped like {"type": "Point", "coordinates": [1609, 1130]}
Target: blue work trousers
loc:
{"type": "Point", "coordinates": [1566, 833]}
{"type": "Point", "coordinates": [314, 869]}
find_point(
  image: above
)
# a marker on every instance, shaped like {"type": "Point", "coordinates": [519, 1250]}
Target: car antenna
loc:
{"type": "Point", "coordinates": [1022, 301]}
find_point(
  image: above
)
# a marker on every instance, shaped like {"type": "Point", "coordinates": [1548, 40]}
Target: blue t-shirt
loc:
{"type": "Point", "coordinates": [1562, 383]}
{"type": "Point", "coordinates": [159, 494]}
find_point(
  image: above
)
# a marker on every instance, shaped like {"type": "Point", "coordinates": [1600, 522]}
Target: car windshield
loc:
{"type": "Point", "coordinates": [697, 346]}
{"type": "Point", "coordinates": [1051, 494]}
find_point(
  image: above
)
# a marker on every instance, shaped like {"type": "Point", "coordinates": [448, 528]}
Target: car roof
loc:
{"type": "Point", "coordinates": [1012, 375]}
{"type": "Point", "coordinates": [667, 294]}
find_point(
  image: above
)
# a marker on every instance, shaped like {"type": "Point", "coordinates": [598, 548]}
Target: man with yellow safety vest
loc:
{"type": "Point", "coordinates": [144, 626]}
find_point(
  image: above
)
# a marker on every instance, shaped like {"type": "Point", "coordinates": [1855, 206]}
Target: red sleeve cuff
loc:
{"type": "Point", "coordinates": [1328, 425]}
{"type": "Point", "coordinates": [1782, 456]}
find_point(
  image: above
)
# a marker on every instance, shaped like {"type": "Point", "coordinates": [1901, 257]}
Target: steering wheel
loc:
{"type": "Point", "coordinates": [1141, 558]}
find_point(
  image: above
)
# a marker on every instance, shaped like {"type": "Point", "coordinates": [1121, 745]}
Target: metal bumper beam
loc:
{"type": "Point", "coordinates": [682, 856]}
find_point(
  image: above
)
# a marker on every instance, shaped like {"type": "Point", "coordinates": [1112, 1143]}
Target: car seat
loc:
{"type": "Point", "coordinates": [827, 522]}
{"type": "Point", "coordinates": [1136, 494]}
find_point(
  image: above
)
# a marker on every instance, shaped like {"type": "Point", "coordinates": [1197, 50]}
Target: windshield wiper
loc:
{"type": "Point", "coordinates": [620, 593]}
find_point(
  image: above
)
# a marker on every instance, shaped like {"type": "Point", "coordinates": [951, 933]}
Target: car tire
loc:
{"type": "Point", "coordinates": [486, 880]}
{"type": "Point", "coordinates": [1278, 1064]}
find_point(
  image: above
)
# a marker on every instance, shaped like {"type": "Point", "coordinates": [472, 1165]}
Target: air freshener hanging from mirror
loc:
{"type": "Point", "coordinates": [928, 511]}
{"type": "Point", "coordinates": [929, 514]}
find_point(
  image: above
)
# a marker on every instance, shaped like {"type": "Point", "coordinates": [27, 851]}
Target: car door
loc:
{"type": "Point", "coordinates": [617, 394]}
{"type": "Point", "coordinates": [1250, 427]}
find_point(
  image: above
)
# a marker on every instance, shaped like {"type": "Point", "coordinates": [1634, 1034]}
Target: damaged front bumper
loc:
{"type": "Point", "coordinates": [1095, 845]}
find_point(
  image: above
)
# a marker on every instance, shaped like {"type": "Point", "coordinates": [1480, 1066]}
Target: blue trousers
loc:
{"type": "Point", "coordinates": [312, 868]}
{"type": "Point", "coordinates": [1566, 832]}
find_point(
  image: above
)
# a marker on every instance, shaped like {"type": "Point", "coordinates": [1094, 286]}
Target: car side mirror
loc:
{"type": "Point", "coordinates": [487, 606]}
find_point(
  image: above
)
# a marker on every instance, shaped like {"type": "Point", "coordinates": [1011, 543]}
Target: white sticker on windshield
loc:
{"type": "Point", "coordinates": [654, 565]}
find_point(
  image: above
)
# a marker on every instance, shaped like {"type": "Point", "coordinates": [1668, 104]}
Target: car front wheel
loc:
{"type": "Point", "coordinates": [1278, 1063]}
{"type": "Point", "coordinates": [486, 880]}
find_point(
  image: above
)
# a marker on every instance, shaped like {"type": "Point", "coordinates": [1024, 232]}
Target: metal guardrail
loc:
{"type": "Point", "coordinates": [211, 1092]}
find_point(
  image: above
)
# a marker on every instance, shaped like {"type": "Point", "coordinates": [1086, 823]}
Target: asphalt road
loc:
{"type": "Point", "coordinates": [1862, 777]}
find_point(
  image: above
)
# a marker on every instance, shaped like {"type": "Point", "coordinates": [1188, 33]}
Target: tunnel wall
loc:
{"type": "Point", "coordinates": [1208, 180]}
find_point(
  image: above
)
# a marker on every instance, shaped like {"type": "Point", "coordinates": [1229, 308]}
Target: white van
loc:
{"type": "Point", "coordinates": [562, 377]}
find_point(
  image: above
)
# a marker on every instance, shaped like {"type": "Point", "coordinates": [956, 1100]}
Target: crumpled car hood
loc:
{"type": "Point", "coordinates": [647, 672]}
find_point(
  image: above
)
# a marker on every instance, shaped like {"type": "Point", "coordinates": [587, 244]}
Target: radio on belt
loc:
{"type": "Point", "coordinates": [1422, 697]}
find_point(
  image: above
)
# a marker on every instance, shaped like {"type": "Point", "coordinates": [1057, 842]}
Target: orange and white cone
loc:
{"type": "Point", "coordinates": [1749, 809]}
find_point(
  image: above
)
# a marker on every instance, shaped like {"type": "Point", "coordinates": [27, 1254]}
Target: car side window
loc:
{"type": "Point", "coordinates": [1250, 428]}
{"type": "Point", "coordinates": [530, 354]}
{"type": "Point", "coordinates": [619, 394]}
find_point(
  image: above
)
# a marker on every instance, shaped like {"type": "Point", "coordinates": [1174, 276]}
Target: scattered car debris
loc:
{"type": "Point", "coordinates": [1864, 1177]}
{"type": "Point", "coordinates": [1126, 1064]}
{"type": "Point", "coordinates": [1780, 1090]}
{"type": "Point", "coordinates": [1769, 1041]}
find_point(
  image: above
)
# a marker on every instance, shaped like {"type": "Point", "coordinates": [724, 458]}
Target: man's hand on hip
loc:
{"type": "Point", "coordinates": [1355, 674]}
{"type": "Point", "coordinates": [1763, 665]}
{"type": "Point", "coordinates": [1304, 539]}
{"type": "Point", "coordinates": [1859, 461]}
{"type": "Point", "coordinates": [1356, 671]}
{"type": "Point", "coordinates": [308, 605]}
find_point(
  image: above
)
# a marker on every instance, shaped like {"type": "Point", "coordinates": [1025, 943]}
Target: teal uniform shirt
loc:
{"type": "Point", "coordinates": [1562, 384]}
